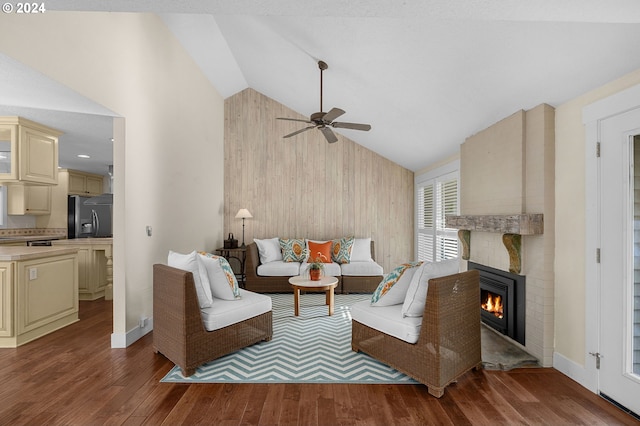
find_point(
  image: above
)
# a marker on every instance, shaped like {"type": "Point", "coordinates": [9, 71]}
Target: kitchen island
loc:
{"type": "Point", "coordinates": [38, 292]}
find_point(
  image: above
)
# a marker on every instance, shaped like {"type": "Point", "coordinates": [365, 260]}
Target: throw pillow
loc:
{"type": "Point", "coordinates": [189, 262]}
{"type": "Point", "coordinates": [417, 294]}
{"type": "Point", "coordinates": [269, 250]}
{"type": "Point", "coordinates": [222, 279]}
{"type": "Point", "coordinates": [319, 250]}
{"type": "Point", "coordinates": [393, 288]}
{"type": "Point", "coordinates": [293, 249]}
{"type": "Point", "coordinates": [341, 251]}
{"type": "Point", "coordinates": [361, 251]}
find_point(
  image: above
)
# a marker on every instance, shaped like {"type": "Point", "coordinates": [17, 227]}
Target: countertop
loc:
{"type": "Point", "coordinates": [83, 241]}
{"type": "Point", "coordinates": [26, 238]}
{"type": "Point", "coordinates": [9, 254]}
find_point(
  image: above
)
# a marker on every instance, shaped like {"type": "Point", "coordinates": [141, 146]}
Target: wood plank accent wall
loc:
{"type": "Point", "coordinates": [303, 187]}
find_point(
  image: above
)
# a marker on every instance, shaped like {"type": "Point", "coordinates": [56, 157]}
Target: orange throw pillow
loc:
{"type": "Point", "coordinates": [320, 250]}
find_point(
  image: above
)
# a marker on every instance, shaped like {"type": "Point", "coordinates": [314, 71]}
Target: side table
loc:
{"type": "Point", "coordinates": [240, 255]}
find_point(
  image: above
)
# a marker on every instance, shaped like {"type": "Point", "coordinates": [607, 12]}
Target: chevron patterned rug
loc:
{"type": "Point", "coordinates": [310, 348]}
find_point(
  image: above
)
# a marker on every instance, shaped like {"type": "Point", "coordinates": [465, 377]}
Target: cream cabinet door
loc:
{"type": "Point", "coordinates": [38, 154]}
{"type": "Point", "coordinates": [25, 199]}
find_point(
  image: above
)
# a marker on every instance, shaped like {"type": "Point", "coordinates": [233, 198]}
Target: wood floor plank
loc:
{"type": "Point", "coordinates": [73, 377]}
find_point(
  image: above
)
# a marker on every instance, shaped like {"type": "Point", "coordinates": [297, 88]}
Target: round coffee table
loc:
{"type": "Point", "coordinates": [326, 284]}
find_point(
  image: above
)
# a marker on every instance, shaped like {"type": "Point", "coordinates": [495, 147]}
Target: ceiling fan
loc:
{"type": "Point", "coordinates": [323, 121]}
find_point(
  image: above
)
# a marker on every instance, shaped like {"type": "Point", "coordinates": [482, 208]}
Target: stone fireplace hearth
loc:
{"type": "Point", "coordinates": [506, 190]}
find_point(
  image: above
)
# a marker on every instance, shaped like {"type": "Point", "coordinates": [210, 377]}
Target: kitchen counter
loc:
{"type": "Point", "coordinates": [84, 241]}
{"type": "Point", "coordinates": [26, 238]}
{"type": "Point", "coordinates": [14, 253]}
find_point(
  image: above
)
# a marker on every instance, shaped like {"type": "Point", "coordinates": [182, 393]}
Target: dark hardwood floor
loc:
{"type": "Point", "coordinates": [73, 377]}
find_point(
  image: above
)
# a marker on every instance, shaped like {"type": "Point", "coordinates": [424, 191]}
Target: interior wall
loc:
{"type": "Point", "coordinates": [303, 187]}
{"type": "Point", "coordinates": [172, 134]}
{"type": "Point", "coordinates": [571, 229]}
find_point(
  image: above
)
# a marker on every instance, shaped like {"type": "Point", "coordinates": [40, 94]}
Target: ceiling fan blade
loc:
{"type": "Point", "coordinates": [332, 115]}
{"type": "Point", "coordinates": [328, 134]}
{"type": "Point", "coordinates": [354, 126]}
{"type": "Point", "coordinates": [299, 131]}
{"type": "Point", "coordinates": [294, 119]}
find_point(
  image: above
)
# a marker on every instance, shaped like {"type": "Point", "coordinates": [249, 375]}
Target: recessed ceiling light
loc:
{"type": "Point", "coordinates": [83, 156]}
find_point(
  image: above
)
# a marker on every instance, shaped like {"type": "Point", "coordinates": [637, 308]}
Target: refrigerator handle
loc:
{"type": "Point", "coordinates": [96, 222]}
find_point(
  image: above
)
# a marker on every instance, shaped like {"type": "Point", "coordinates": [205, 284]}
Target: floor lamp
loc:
{"type": "Point", "coordinates": [243, 214]}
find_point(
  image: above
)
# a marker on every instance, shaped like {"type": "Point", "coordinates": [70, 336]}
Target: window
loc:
{"type": "Point", "coordinates": [436, 197]}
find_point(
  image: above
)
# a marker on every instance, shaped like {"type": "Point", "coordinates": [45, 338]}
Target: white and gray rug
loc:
{"type": "Point", "coordinates": [316, 348]}
{"type": "Point", "coordinates": [310, 348]}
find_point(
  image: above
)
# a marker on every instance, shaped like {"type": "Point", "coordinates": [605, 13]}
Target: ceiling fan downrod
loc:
{"type": "Point", "coordinates": [323, 66]}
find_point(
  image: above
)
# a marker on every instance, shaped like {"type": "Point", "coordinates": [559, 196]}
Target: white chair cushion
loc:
{"type": "Point", "coordinates": [223, 313]}
{"type": "Point", "coordinates": [269, 250]}
{"type": "Point", "coordinates": [392, 290]}
{"type": "Point", "coordinates": [332, 269]}
{"type": "Point", "coordinates": [361, 269]}
{"type": "Point", "coordinates": [189, 262]}
{"type": "Point", "coordinates": [279, 268]}
{"type": "Point", "coordinates": [361, 250]}
{"type": "Point", "coordinates": [388, 320]}
{"type": "Point", "coordinates": [416, 298]}
{"type": "Point", "coordinates": [222, 279]}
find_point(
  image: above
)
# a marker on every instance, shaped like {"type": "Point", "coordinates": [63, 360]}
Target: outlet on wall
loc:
{"type": "Point", "coordinates": [33, 273]}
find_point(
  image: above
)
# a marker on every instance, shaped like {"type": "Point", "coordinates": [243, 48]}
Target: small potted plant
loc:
{"type": "Point", "coordinates": [316, 267]}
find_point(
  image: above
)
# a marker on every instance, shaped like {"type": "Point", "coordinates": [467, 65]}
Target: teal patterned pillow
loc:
{"type": "Point", "coordinates": [341, 250]}
{"type": "Point", "coordinates": [393, 288]}
{"type": "Point", "coordinates": [293, 249]}
{"type": "Point", "coordinates": [222, 279]}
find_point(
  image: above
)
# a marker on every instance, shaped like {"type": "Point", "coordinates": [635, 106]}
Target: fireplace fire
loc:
{"type": "Point", "coordinates": [502, 301]}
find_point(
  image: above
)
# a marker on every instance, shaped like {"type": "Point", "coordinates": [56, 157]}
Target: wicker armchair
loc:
{"type": "Point", "coordinates": [178, 332]}
{"type": "Point", "coordinates": [449, 342]}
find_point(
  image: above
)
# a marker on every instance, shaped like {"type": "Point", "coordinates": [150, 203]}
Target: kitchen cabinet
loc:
{"type": "Point", "coordinates": [38, 292]}
{"type": "Point", "coordinates": [86, 184]}
{"type": "Point", "coordinates": [28, 199]}
{"type": "Point", "coordinates": [95, 266]}
{"type": "Point", "coordinates": [28, 152]}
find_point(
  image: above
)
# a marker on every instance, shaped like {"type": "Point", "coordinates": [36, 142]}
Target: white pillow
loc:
{"type": "Point", "coordinates": [223, 283]}
{"type": "Point", "coordinates": [392, 290]}
{"type": "Point", "coordinates": [189, 262]}
{"type": "Point", "coordinates": [269, 250]}
{"type": "Point", "coordinates": [361, 250]}
{"type": "Point", "coordinates": [417, 294]}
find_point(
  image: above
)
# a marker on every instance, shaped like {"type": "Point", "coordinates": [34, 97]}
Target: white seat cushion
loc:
{"type": "Point", "coordinates": [279, 268]}
{"type": "Point", "coordinates": [361, 269]}
{"type": "Point", "coordinates": [416, 297]}
{"type": "Point", "coordinates": [228, 312]}
{"type": "Point", "coordinates": [332, 269]}
{"type": "Point", "coordinates": [388, 320]}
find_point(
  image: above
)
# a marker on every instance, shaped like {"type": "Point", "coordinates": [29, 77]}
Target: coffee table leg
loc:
{"type": "Point", "coordinates": [330, 297]}
{"type": "Point", "coordinates": [296, 300]}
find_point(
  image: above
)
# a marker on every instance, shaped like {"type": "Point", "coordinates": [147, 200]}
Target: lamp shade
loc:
{"type": "Point", "coordinates": [243, 214]}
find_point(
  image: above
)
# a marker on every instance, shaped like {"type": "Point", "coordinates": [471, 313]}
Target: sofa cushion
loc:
{"type": "Point", "coordinates": [222, 279]}
{"type": "Point", "coordinates": [341, 250]}
{"type": "Point", "coordinates": [416, 297]}
{"type": "Point", "coordinates": [332, 269]}
{"type": "Point", "coordinates": [361, 269]}
{"type": "Point", "coordinates": [279, 268]}
{"type": "Point", "coordinates": [189, 262]}
{"type": "Point", "coordinates": [222, 313]}
{"type": "Point", "coordinates": [293, 249]}
{"type": "Point", "coordinates": [361, 250]}
{"type": "Point", "coordinates": [393, 288]}
{"type": "Point", "coordinates": [388, 320]}
{"type": "Point", "coordinates": [269, 249]}
{"type": "Point", "coordinates": [320, 250]}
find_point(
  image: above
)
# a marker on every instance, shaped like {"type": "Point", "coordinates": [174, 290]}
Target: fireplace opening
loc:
{"type": "Point", "coordinates": [502, 301]}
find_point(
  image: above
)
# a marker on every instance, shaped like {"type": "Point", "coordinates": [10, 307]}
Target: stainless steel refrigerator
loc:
{"type": "Point", "coordinates": [87, 219]}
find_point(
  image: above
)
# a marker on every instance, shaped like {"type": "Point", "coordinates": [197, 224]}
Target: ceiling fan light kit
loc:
{"type": "Point", "coordinates": [323, 121]}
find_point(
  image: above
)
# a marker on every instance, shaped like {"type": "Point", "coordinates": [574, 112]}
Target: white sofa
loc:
{"type": "Point", "coordinates": [360, 275]}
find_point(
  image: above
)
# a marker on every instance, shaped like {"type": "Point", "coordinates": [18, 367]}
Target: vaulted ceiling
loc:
{"type": "Point", "coordinates": [425, 74]}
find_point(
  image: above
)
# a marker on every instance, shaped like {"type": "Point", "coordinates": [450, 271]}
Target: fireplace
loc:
{"type": "Point", "coordinates": [502, 301]}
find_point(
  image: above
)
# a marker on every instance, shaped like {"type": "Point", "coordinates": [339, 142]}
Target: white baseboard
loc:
{"type": "Point", "coordinates": [575, 372]}
{"type": "Point", "coordinates": [123, 340]}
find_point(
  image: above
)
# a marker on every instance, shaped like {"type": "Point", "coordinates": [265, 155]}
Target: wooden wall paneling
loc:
{"type": "Point", "coordinates": [304, 187]}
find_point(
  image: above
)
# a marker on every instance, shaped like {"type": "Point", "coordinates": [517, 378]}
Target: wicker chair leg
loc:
{"type": "Point", "coordinates": [186, 372]}
{"type": "Point", "coordinates": [437, 392]}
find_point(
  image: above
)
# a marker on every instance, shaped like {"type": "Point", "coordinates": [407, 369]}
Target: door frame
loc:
{"type": "Point", "coordinates": [592, 115]}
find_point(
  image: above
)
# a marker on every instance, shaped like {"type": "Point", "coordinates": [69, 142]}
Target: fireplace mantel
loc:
{"type": "Point", "coordinates": [512, 227]}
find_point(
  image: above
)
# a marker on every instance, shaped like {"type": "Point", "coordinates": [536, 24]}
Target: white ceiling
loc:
{"type": "Point", "coordinates": [425, 74]}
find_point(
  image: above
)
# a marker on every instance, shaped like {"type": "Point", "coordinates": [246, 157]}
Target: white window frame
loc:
{"type": "Point", "coordinates": [446, 172]}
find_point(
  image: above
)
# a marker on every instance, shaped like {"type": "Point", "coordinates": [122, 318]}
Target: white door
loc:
{"type": "Point", "coordinates": [617, 184]}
